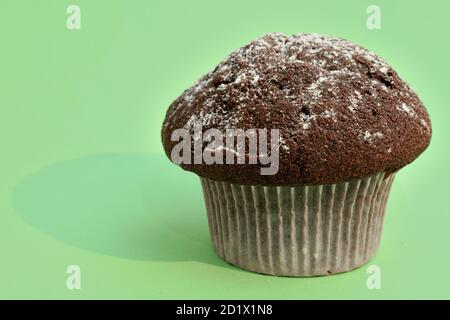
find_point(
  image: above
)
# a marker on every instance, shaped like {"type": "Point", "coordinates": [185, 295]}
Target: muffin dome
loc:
{"type": "Point", "coordinates": [343, 113]}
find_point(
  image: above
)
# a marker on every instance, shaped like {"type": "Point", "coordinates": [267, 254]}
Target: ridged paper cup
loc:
{"type": "Point", "coordinates": [297, 231]}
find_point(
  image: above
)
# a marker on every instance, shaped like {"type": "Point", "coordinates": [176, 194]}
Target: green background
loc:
{"type": "Point", "coordinates": [83, 179]}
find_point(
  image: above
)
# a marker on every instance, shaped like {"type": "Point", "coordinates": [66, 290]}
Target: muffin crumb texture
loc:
{"type": "Point", "coordinates": [342, 111]}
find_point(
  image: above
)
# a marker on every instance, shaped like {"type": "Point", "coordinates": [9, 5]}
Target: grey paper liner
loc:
{"type": "Point", "coordinates": [297, 231]}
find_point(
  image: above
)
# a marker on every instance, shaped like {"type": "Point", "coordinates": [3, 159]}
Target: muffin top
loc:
{"type": "Point", "coordinates": [342, 112]}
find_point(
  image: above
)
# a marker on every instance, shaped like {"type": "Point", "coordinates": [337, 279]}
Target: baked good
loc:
{"type": "Point", "coordinates": [347, 123]}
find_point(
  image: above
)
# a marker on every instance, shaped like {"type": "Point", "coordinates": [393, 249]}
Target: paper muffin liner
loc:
{"type": "Point", "coordinates": [297, 231]}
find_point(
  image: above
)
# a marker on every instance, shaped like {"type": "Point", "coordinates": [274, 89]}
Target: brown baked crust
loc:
{"type": "Point", "coordinates": [343, 113]}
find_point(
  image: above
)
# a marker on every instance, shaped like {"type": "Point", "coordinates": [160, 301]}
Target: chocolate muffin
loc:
{"type": "Point", "coordinates": [344, 124]}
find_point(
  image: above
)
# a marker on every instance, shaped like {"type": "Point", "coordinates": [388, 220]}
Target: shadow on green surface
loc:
{"type": "Point", "coordinates": [130, 206]}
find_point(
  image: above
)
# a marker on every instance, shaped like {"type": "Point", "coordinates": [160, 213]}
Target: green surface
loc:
{"type": "Point", "coordinates": [83, 179]}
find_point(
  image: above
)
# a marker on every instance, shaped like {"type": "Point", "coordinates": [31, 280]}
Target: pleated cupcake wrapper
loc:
{"type": "Point", "coordinates": [297, 231]}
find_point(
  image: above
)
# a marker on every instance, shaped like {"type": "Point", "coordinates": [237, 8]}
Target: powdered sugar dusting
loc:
{"type": "Point", "coordinates": [330, 58]}
{"type": "Point", "coordinates": [405, 108]}
{"type": "Point", "coordinates": [409, 110]}
{"type": "Point", "coordinates": [370, 137]}
{"type": "Point", "coordinates": [298, 80]}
